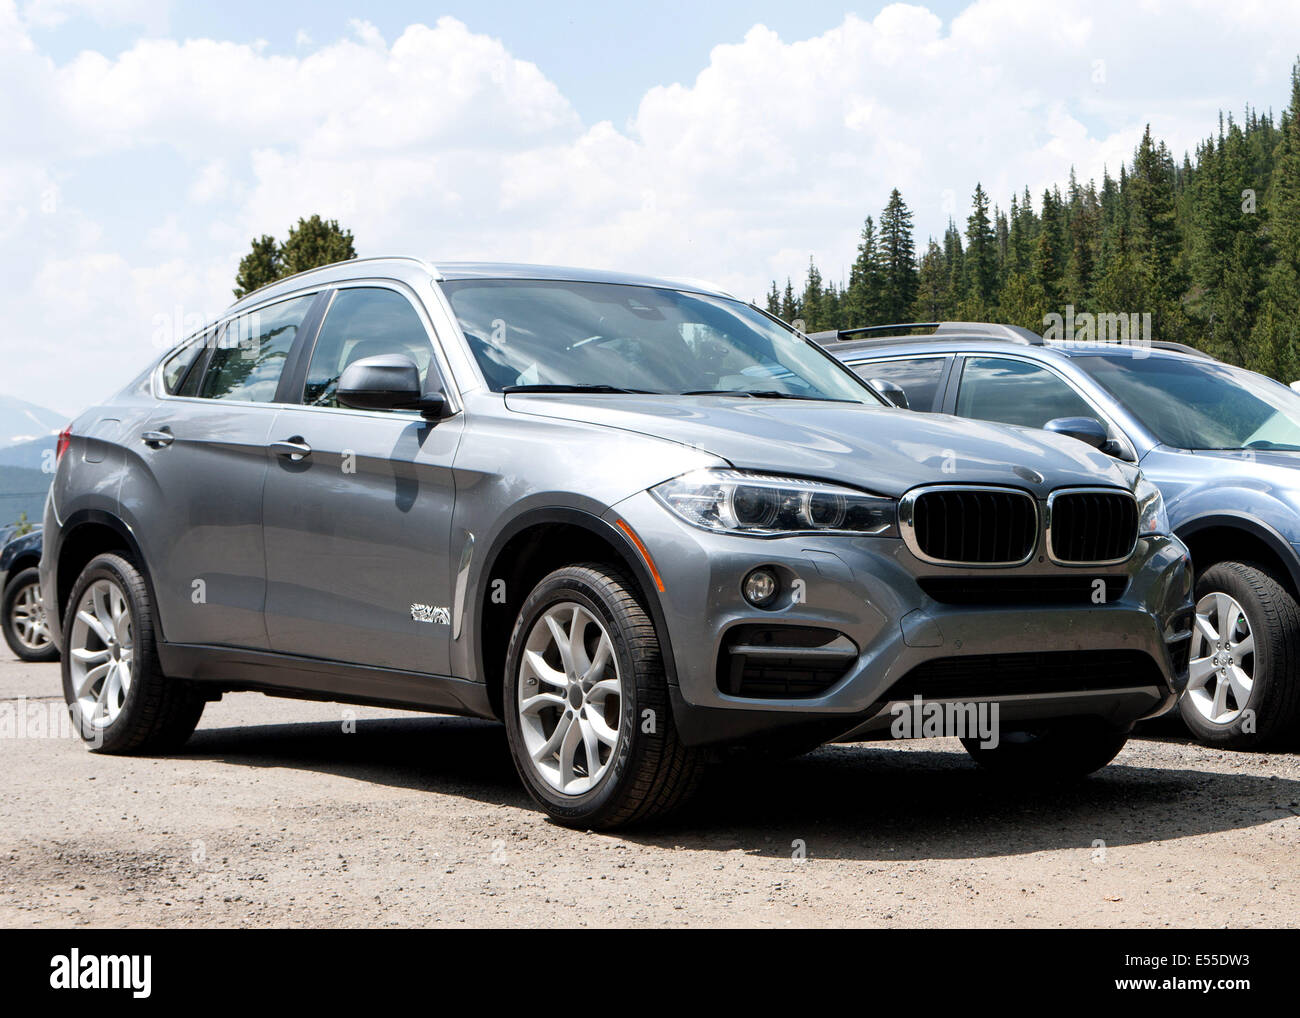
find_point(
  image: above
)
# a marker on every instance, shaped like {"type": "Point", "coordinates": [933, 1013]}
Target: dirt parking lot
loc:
{"type": "Point", "coordinates": [274, 815]}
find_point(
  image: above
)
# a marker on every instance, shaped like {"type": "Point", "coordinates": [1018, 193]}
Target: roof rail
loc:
{"type": "Point", "coordinates": [941, 331]}
{"type": "Point", "coordinates": [346, 261]}
{"type": "Point", "coordinates": [1169, 344]}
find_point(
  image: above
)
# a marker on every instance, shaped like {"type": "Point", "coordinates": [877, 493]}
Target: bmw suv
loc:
{"type": "Point", "coordinates": [636, 519]}
{"type": "Point", "coordinates": [1221, 443]}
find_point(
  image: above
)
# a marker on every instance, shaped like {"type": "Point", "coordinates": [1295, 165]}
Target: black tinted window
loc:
{"type": "Point", "coordinates": [250, 353]}
{"type": "Point", "coordinates": [919, 377]}
{"type": "Point", "coordinates": [1016, 392]}
{"type": "Point", "coordinates": [361, 323]}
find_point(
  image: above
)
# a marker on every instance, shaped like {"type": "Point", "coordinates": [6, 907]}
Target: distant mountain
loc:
{"type": "Point", "coordinates": [22, 491]}
{"type": "Point", "coordinates": [21, 421]}
{"type": "Point", "coordinates": [28, 454]}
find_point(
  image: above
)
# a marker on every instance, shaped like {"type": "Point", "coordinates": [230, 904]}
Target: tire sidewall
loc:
{"type": "Point", "coordinates": [1223, 578]}
{"type": "Point", "coordinates": [110, 567]}
{"type": "Point", "coordinates": [559, 587]}
{"type": "Point", "coordinates": [17, 582]}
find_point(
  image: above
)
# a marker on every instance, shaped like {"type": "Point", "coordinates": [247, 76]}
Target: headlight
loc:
{"type": "Point", "coordinates": [734, 502]}
{"type": "Point", "coordinates": [1152, 518]}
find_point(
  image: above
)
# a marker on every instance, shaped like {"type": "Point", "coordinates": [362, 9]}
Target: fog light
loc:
{"type": "Point", "coordinates": [760, 587]}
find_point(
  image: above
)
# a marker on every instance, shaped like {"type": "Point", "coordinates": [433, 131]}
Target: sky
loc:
{"type": "Point", "coordinates": [145, 143]}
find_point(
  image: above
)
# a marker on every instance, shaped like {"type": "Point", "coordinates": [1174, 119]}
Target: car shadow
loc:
{"type": "Point", "coordinates": [867, 801]}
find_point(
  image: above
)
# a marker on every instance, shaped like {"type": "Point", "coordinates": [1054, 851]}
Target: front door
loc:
{"type": "Point", "coordinates": [358, 505]}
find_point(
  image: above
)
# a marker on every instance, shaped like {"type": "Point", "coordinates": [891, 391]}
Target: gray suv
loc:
{"type": "Point", "coordinates": [636, 519]}
{"type": "Point", "coordinates": [1221, 443]}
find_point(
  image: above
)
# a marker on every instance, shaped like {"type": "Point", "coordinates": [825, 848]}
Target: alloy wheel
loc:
{"type": "Point", "coordinates": [27, 616]}
{"type": "Point", "coordinates": [1221, 673]}
{"type": "Point", "coordinates": [570, 698]}
{"type": "Point", "coordinates": [100, 655]}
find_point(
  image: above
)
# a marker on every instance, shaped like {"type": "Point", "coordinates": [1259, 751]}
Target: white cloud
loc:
{"type": "Point", "coordinates": [442, 143]}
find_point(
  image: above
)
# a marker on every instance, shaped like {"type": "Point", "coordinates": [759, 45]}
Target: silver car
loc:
{"type": "Point", "coordinates": [636, 519]}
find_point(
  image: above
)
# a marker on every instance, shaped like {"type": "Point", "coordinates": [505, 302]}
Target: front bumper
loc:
{"type": "Point", "coordinates": [870, 591]}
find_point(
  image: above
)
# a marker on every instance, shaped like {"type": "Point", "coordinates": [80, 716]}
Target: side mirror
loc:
{"type": "Point", "coordinates": [1085, 429]}
{"type": "Point", "coordinates": [892, 391]}
{"type": "Point", "coordinates": [387, 382]}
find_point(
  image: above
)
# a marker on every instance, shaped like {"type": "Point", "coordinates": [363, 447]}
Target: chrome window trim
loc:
{"type": "Point", "coordinates": [907, 525]}
{"type": "Point", "coordinates": [218, 327]}
{"type": "Point", "coordinates": [451, 389]}
{"type": "Point", "coordinates": [1094, 490]}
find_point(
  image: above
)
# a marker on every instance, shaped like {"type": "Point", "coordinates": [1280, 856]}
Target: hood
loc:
{"type": "Point", "coordinates": [885, 451]}
{"type": "Point", "coordinates": [1274, 471]}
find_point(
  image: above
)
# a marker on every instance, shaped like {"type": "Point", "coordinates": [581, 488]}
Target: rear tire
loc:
{"type": "Point", "coordinates": [586, 704]}
{"type": "Point", "coordinates": [23, 618]}
{"type": "Point", "coordinates": [119, 698]}
{"type": "Point", "coordinates": [1059, 751]}
{"type": "Point", "coordinates": [1243, 690]}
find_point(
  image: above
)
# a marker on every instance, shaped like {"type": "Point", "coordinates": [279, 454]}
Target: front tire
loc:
{"type": "Point", "coordinates": [119, 698]}
{"type": "Point", "coordinates": [23, 617]}
{"type": "Point", "coordinates": [1243, 691]}
{"type": "Point", "coordinates": [1059, 751]}
{"type": "Point", "coordinates": [586, 704]}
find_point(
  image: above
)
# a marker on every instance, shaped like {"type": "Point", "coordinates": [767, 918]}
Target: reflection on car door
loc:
{"type": "Point", "coordinates": [358, 507]}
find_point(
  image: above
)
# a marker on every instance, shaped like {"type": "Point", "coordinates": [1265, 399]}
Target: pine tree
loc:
{"type": "Point", "coordinates": [863, 299]}
{"type": "Point", "coordinates": [897, 260]}
{"type": "Point", "coordinates": [812, 300]}
{"type": "Point", "coordinates": [1155, 240]}
{"type": "Point", "coordinates": [981, 255]}
{"type": "Point", "coordinates": [789, 306]}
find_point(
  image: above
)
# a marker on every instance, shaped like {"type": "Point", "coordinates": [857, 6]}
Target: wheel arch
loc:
{"type": "Point", "coordinates": [85, 534]}
{"type": "Point", "coordinates": [532, 545]}
{"type": "Point", "coordinates": [1226, 536]}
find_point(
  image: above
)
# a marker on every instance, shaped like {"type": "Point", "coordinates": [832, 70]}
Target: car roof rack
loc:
{"type": "Point", "coordinates": [939, 331]}
{"type": "Point", "coordinates": [1169, 344]}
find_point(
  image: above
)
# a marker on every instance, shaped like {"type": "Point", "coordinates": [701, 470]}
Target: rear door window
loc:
{"type": "Point", "coordinates": [249, 356]}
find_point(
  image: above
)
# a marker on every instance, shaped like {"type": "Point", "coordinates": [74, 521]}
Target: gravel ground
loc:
{"type": "Point", "coordinates": [273, 815]}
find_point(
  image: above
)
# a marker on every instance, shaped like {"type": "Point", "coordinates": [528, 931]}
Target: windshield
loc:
{"type": "Point", "coordinates": [1201, 404]}
{"type": "Point", "coordinates": [614, 337]}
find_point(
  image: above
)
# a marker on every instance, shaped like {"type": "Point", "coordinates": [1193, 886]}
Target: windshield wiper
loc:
{"type": "Point", "coordinates": [762, 394]}
{"type": "Point", "coordinates": [576, 387]}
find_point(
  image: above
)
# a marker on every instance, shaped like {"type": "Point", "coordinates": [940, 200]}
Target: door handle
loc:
{"type": "Point", "coordinates": [157, 439]}
{"type": "Point", "coordinates": [295, 448]}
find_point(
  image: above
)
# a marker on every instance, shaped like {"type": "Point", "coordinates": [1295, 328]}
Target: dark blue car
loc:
{"type": "Point", "coordinates": [22, 615]}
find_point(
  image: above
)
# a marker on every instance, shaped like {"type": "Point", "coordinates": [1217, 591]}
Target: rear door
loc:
{"type": "Point", "coordinates": [358, 504]}
{"type": "Point", "coordinates": [199, 500]}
